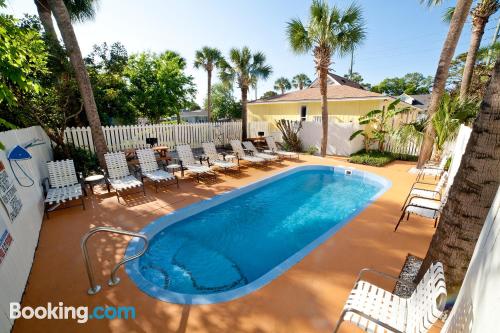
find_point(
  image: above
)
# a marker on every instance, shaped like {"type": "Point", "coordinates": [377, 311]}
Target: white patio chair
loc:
{"type": "Point", "coordinates": [418, 191]}
{"type": "Point", "coordinates": [268, 157]}
{"type": "Point", "coordinates": [151, 170]}
{"type": "Point", "coordinates": [273, 149]}
{"type": "Point", "coordinates": [118, 174]}
{"type": "Point", "coordinates": [63, 185]}
{"type": "Point", "coordinates": [216, 159]}
{"type": "Point", "coordinates": [431, 169]}
{"type": "Point", "coordinates": [188, 162]}
{"type": "Point", "coordinates": [374, 309]}
{"type": "Point", "coordinates": [241, 155]}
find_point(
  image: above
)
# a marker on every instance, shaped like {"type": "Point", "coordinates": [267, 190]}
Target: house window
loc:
{"type": "Point", "coordinates": [303, 113]}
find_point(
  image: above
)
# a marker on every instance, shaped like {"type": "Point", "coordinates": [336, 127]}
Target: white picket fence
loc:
{"type": "Point", "coordinates": [134, 136]}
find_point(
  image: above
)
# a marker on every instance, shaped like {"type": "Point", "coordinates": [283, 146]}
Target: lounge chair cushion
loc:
{"type": "Point", "coordinates": [197, 168]}
{"type": "Point", "coordinates": [159, 175]}
{"type": "Point", "coordinates": [419, 192]}
{"type": "Point", "coordinates": [124, 182]}
{"type": "Point", "coordinates": [252, 159]}
{"type": "Point", "coordinates": [62, 194]}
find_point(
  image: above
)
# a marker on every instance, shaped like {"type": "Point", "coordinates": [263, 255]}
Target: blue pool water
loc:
{"type": "Point", "coordinates": [228, 246]}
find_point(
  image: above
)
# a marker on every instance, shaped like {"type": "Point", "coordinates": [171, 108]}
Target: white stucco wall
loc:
{"type": "Point", "coordinates": [478, 304]}
{"type": "Point", "coordinates": [338, 137]}
{"type": "Point", "coordinates": [15, 268]}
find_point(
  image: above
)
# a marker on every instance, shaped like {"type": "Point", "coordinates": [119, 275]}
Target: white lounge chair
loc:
{"type": "Point", "coordinates": [63, 185]}
{"type": "Point", "coordinates": [119, 177]}
{"type": "Point", "coordinates": [268, 157]}
{"type": "Point", "coordinates": [214, 158]}
{"type": "Point", "coordinates": [374, 309]}
{"type": "Point", "coordinates": [188, 162]}
{"type": "Point", "coordinates": [435, 170]}
{"type": "Point", "coordinates": [417, 190]}
{"type": "Point", "coordinates": [240, 153]}
{"type": "Point", "coordinates": [273, 149]}
{"type": "Point", "coordinates": [151, 170]}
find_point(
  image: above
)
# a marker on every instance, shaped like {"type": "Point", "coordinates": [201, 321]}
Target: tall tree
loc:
{"type": "Point", "coordinates": [301, 81]}
{"type": "Point", "coordinates": [244, 67]}
{"type": "Point", "coordinates": [329, 31]}
{"type": "Point", "coordinates": [456, 25]}
{"type": "Point", "coordinates": [282, 84]}
{"type": "Point", "coordinates": [63, 20]}
{"type": "Point", "coordinates": [471, 195]}
{"type": "Point", "coordinates": [480, 16]}
{"type": "Point", "coordinates": [208, 58]}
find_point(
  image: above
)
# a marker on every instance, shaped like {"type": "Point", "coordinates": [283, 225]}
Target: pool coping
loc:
{"type": "Point", "coordinates": [132, 268]}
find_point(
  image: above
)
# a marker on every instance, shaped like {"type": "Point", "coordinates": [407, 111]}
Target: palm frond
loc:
{"type": "Point", "coordinates": [298, 37]}
{"type": "Point", "coordinates": [81, 10]}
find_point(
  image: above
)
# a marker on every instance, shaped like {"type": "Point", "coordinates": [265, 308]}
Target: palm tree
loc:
{"type": "Point", "coordinates": [282, 84]}
{"type": "Point", "coordinates": [456, 25]}
{"type": "Point", "coordinates": [480, 16]}
{"type": "Point", "coordinates": [244, 68]}
{"type": "Point", "coordinates": [471, 195]}
{"type": "Point", "coordinates": [301, 81]}
{"type": "Point", "coordinates": [63, 20]}
{"type": "Point", "coordinates": [208, 58]}
{"type": "Point", "coordinates": [329, 31]}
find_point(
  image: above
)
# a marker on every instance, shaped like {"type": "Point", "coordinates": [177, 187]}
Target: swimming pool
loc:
{"type": "Point", "coordinates": [234, 243]}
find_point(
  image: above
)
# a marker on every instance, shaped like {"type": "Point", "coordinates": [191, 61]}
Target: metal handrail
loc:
{"type": "Point", "coordinates": [113, 280]}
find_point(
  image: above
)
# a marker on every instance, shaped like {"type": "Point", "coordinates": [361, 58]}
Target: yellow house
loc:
{"type": "Point", "coordinates": [347, 101]}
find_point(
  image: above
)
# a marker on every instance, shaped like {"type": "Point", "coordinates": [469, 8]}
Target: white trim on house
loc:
{"type": "Point", "coordinates": [329, 100]}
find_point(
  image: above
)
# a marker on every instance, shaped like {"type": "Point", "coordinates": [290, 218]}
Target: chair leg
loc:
{"type": "Point", "coordinates": [406, 200]}
{"type": "Point", "coordinates": [339, 322]}
{"type": "Point", "coordinates": [435, 222]}
{"type": "Point", "coordinates": [83, 203]}
{"type": "Point", "coordinates": [400, 219]}
{"type": "Point", "coordinates": [46, 210]}
{"type": "Point", "coordinates": [177, 181]}
{"type": "Point", "coordinates": [118, 196]}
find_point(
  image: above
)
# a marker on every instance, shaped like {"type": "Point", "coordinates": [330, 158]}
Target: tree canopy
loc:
{"type": "Point", "coordinates": [224, 103]}
{"type": "Point", "coordinates": [159, 86]}
{"type": "Point", "coordinates": [411, 84]}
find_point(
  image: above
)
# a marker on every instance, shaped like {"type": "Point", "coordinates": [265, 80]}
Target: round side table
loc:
{"type": "Point", "coordinates": [172, 168]}
{"type": "Point", "coordinates": [93, 180]}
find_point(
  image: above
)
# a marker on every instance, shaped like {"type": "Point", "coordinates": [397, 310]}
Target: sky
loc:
{"type": "Point", "coordinates": [402, 36]}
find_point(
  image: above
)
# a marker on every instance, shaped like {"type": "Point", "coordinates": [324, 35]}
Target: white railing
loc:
{"type": "Point", "coordinates": [134, 136]}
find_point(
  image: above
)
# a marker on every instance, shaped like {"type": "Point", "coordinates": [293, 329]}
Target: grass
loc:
{"type": "Point", "coordinates": [377, 158]}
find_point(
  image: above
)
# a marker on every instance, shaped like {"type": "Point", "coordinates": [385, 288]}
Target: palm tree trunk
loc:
{"type": "Point", "coordinates": [45, 15]}
{"type": "Point", "coordinates": [470, 62]}
{"type": "Point", "coordinates": [323, 87]}
{"type": "Point", "coordinates": [471, 194]}
{"type": "Point", "coordinates": [244, 120]}
{"type": "Point", "coordinates": [460, 14]}
{"type": "Point", "coordinates": [68, 35]}
{"type": "Point", "coordinates": [209, 95]}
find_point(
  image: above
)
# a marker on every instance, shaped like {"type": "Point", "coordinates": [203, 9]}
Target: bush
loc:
{"type": "Point", "coordinates": [85, 161]}
{"type": "Point", "coordinates": [311, 150]}
{"type": "Point", "coordinates": [373, 158]}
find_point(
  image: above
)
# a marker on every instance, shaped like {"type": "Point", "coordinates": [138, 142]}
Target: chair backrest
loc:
{"type": "Point", "coordinates": [237, 148]}
{"type": "Point", "coordinates": [116, 164]}
{"type": "Point", "coordinates": [249, 145]}
{"type": "Point", "coordinates": [62, 173]}
{"type": "Point", "coordinates": [185, 154]}
{"type": "Point", "coordinates": [147, 159]}
{"type": "Point", "coordinates": [271, 143]}
{"type": "Point", "coordinates": [442, 182]}
{"type": "Point", "coordinates": [426, 304]}
{"type": "Point", "coordinates": [210, 151]}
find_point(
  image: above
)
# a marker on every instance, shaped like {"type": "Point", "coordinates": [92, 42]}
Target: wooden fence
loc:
{"type": "Point", "coordinates": [134, 136]}
{"type": "Point", "coordinates": [411, 148]}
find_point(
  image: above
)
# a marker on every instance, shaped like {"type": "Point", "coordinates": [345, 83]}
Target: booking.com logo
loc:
{"type": "Point", "coordinates": [81, 314]}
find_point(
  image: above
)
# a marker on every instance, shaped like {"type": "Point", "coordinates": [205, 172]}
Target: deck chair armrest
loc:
{"type": "Point", "coordinates": [420, 197]}
{"type": "Point", "coordinates": [373, 320]}
{"type": "Point", "coordinates": [422, 183]}
{"type": "Point", "coordinates": [432, 167]}
{"type": "Point", "coordinates": [425, 189]}
{"type": "Point", "coordinates": [385, 275]}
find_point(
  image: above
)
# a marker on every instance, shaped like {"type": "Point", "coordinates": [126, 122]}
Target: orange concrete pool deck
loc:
{"type": "Point", "coordinates": [307, 298]}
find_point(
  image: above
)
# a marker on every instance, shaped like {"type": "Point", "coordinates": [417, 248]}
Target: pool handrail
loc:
{"type": "Point", "coordinates": [113, 280]}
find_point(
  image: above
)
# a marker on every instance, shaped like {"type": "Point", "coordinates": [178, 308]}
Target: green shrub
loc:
{"type": "Point", "coordinates": [448, 163]}
{"type": "Point", "coordinates": [85, 161]}
{"type": "Point", "coordinates": [379, 159]}
{"type": "Point", "coordinates": [373, 158]}
{"type": "Point", "coordinates": [311, 150]}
